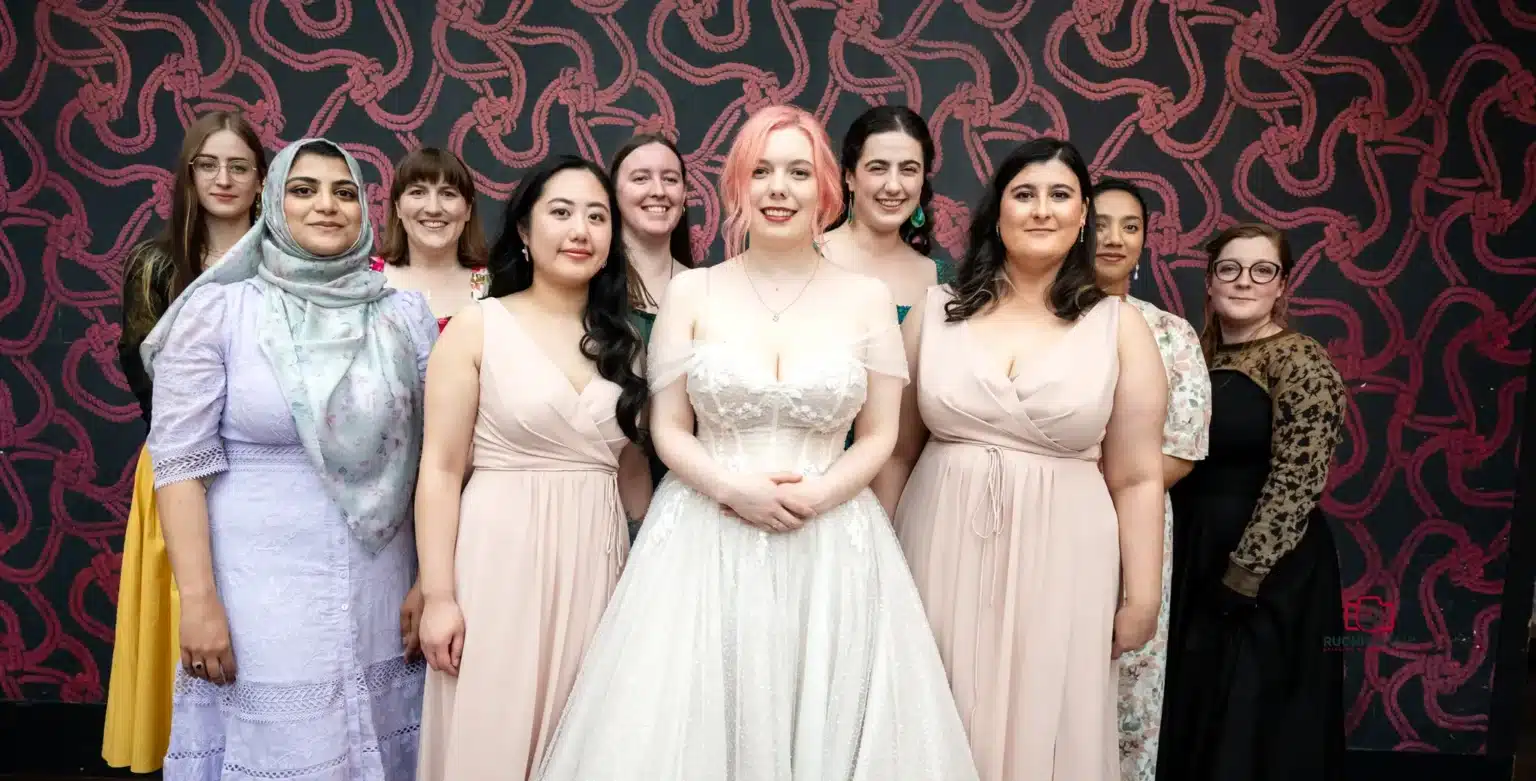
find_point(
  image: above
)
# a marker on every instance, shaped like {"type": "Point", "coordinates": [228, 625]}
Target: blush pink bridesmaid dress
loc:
{"type": "Point", "coordinates": [1013, 541]}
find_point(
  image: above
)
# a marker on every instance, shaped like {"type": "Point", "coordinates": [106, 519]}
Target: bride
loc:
{"type": "Point", "coordinates": [766, 627]}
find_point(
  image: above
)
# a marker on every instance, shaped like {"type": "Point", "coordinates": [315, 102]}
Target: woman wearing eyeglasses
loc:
{"type": "Point", "coordinates": [213, 202]}
{"type": "Point", "coordinates": [1253, 691]}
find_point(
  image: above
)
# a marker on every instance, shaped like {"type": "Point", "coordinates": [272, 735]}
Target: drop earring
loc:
{"type": "Point", "coordinates": [850, 208]}
{"type": "Point", "coordinates": [525, 256]}
{"type": "Point", "coordinates": [918, 218]}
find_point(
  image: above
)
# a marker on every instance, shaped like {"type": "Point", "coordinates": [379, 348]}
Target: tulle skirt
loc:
{"type": "Point", "coordinates": [732, 654]}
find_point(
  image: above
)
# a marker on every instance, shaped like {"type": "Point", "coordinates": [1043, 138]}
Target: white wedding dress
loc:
{"type": "Point", "coordinates": [733, 654]}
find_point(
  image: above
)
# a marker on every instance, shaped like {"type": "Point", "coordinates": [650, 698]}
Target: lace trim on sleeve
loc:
{"type": "Point", "coordinates": [205, 461]}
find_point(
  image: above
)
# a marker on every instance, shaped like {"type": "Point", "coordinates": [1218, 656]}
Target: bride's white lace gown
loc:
{"type": "Point", "coordinates": [733, 654]}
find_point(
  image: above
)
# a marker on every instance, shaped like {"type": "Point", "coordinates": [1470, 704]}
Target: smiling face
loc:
{"type": "Point", "coordinates": [1121, 234]}
{"type": "Point", "coordinates": [433, 215]}
{"type": "Point", "coordinates": [651, 192]}
{"type": "Point", "coordinates": [224, 172]}
{"type": "Point", "coordinates": [1245, 281]}
{"type": "Point", "coordinates": [569, 229]}
{"type": "Point", "coordinates": [782, 192]}
{"type": "Point", "coordinates": [1042, 212]}
{"type": "Point", "coordinates": [321, 205]}
{"type": "Point", "coordinates": [888, 181]}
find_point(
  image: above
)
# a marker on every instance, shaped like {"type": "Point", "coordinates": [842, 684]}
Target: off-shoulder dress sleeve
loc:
{"type": "Point", "coordinates": [881, 347]}
{"type": "Point", "coordinates": [670, 353]}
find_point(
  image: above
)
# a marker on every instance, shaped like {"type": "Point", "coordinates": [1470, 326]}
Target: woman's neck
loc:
{"type": "Point", "coordinates": [1028, 283]}
{"type": "Point", "coordinates": [787, 260]}
{"type": "Point", "coordinates": [222, 233]}
{"type": "Point", "coordinates": [1121, 288]}
{"type": "Point", "coordinates": [432, 259]}
{"type": "Point", "coordinates": [650, 255]}
{"type": "Point", "coordinates": [874, 244]}
{"type": "Point", "coordinates": [557, 300]}
{"type": "Point", "coordinates": [1237, 333]}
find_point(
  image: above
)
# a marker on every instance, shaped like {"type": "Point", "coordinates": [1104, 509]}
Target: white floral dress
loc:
{"type": "Point", "coordinates": [1186, 435]}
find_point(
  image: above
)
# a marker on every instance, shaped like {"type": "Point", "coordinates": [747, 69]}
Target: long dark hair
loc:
{"type": "Point", "coordinates": [979, 279]}
{"type": "Point", "coordinates": [681, 243]}
{"type": "Point", "coordinates": [1210, 332]}
{"type": "Point", "coordinates": [431, 165]}
{"type": "Point", "coordinates": [610, 341]}
{"type": "Point", "coordinates": [892, 119]}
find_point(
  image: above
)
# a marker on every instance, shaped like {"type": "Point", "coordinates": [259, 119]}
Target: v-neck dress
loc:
{"type": "Point", "coordinates": [541, 542]}
{"type": "Point", "coordinates": [1014, 544]}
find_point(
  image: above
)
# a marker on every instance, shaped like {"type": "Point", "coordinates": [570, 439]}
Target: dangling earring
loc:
{"type": "Point", "coordinates": [850, 208]}
{"type": "Point", "coordinates": [1082, 232]}
{"type": "Point", "coordinates": [918, 218]}
{"type": "Point", "coordinates": [526, 259]}
{"type": "Point", "coordinates": [1135, 272]}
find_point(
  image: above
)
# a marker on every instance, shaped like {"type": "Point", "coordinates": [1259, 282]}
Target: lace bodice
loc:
{"type": "Point", "coordinates": [767, 395]}
{"type": "Point", "coordinates": [752, 421]}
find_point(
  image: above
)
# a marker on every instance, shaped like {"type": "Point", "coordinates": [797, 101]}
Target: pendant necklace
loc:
{"type": "Point", "coordinates": [772, 313]}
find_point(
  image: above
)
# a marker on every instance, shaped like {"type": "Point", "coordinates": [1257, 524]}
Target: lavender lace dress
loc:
{"type": "Point", "coordinates": [322, 691]}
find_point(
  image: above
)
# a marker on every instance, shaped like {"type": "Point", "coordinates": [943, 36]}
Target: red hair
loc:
{"type": "Point", "coordinates": [747, 149]}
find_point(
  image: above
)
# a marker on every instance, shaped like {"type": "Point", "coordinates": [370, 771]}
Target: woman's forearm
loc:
{"type": "Point", "coordinates": [634, 481]}
{"type": "Point", "coordinates": [890, 481]}
{"type": "Point", "coordinates": [1139, 506]}
{"type": "Point", "coordinates": [857, 468]}
{"type": "Point", "coordinates": [438, 493]}
{"type": "Point", "coordinates": [183, 510]}
{"type": "Point", "coordinates": [686, 457]}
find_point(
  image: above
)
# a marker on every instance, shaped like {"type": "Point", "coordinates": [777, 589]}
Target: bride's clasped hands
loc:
{"type": "Point", "coordinates": [776, 502]}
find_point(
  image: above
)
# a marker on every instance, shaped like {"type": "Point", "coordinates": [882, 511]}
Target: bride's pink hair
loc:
{"type": "Point", "coordinates": [747, 150]}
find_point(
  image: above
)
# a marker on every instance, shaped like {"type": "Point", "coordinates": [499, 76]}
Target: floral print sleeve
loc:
{"type": "Point", "coordinates": [1186, 432]}
{"type": "Point", "coordinates": [1187, 428]}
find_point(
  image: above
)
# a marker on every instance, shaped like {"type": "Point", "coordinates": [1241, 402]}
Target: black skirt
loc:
{"type": "Point", "coordinates": [1254, 694]}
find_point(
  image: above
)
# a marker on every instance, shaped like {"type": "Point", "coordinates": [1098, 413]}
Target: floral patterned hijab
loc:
{"type": "Point", "coordinates": [349, 375]}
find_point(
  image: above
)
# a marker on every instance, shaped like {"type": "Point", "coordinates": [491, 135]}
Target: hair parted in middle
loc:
{"type": "Point", "coordinates": [747, 151]}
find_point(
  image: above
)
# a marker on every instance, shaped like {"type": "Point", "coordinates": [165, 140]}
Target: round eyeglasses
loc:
{"type": "Point", "coordinates": [208, 168]}
{"type": "Point", "coordinates": [1262, 273]}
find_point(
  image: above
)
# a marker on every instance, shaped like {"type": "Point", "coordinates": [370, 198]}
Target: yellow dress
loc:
{"type": "Point", "coordinates": [146, 651]}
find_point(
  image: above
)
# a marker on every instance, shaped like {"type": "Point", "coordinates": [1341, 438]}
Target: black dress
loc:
{"type": "Point", "coordinates": [1253, 691]}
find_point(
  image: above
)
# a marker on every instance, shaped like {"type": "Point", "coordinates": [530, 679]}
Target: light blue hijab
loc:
{"type": "Point", "coordinates": [350, 375]}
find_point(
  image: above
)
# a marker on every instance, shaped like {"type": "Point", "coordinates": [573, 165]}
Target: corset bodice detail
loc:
{"type": "Point", "coordinates": [752, 420]}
